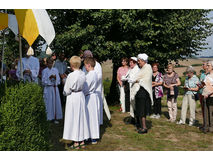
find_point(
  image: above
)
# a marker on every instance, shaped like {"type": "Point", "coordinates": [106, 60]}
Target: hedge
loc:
{"type": "Point", "coordinates": [23, 124]}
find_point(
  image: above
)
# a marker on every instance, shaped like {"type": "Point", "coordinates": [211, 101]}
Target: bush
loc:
{"type": "Point", "coordinates": [180, 89]}
{"type": "Point", "coordinates": [23, 124]}
{"type": "Point", "coordinates": [196, 65]}
{"type": "Point", "coordinates": [5, 85]}
{"type": "Point", "coordinates": [106, 84]}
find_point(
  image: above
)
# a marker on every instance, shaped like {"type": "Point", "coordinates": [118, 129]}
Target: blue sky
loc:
{"type": "Point", "coordinates": [208, 52]}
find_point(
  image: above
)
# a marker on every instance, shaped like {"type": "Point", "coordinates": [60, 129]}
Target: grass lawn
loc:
{"type": "Point", "coordinates": [162, 135]}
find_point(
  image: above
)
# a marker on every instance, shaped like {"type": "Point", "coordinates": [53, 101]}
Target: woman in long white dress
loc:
{"type": "Point", "coordinates": [76, 119]}
{"type": "Point", "coordinates": [92, 99]}
{"type": "Point", "coordinates": [50, 81]}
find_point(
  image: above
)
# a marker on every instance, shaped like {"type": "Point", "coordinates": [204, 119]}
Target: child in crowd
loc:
{"type": "Point", "coordinates": [50, 81]}
{"type": "Point", "coordinates": [76, 119]}
{"type": "Point", "coordinates": [12, 73]}
{"type": "Point", "coordinates": [92, 100]}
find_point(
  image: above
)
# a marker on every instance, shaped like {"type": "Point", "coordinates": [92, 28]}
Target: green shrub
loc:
{"type": "Point", "coordinates": [23, 124]}
{"type": "Point", "coordinates": [5, 85]}
{"type": "Point", "coordinates": [196, 65]}
{"type": "Point", "coordinates": [106, 84]}
{"type": "Point", "coordinates": [180, 89]}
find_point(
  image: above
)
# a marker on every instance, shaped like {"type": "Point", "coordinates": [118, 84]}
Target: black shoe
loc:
{"type": "Point", "coordinates": [203, 129]}
{"type": "Point", "coordinates": [143, 131]}
{"type": "Point", "coordinates": [137, 129]}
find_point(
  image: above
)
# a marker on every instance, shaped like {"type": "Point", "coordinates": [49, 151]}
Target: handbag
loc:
{"type": "Point", "coordinates": [196, 96]}
{"type": "Point", "coordinates": [174, 92]}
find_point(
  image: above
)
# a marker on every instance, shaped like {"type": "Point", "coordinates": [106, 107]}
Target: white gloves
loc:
{"type": "Point", "coordinates": [131, 81]}
{"type": "Point", "coordinates": [123, 78]}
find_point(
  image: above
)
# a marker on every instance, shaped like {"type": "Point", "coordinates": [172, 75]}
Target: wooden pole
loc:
{"type": "Point", "coordinates": [20, 54]}
{"type": "Point", "coordinates": [2, 62]}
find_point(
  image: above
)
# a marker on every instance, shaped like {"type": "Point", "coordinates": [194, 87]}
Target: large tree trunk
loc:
{"type": "Point", "coordinates": [113, 97]}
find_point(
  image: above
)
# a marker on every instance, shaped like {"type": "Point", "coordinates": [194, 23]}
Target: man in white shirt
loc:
{"type": "Point", "coordinates": [61, 66]}
{"type": "Point", "coordinates": [31, 66]}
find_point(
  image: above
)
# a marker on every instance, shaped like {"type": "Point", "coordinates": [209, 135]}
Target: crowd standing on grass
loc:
{"type": "Point", "coordinates": [77, 86]}
{"type": "Point", "coordinates": [144, 104]}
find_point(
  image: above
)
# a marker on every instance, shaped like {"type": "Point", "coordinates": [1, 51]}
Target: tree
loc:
{"type": "Point", "coordinates": [165, 35]}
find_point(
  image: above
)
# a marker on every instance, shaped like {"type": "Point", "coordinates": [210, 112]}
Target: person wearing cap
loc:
{"type": "Point", "coordinates": [30, 66]}
{"type": "Point", "coordinates": [121, 73]}
{"type": "Point", "coordinates": [131, 75]}
{"type": "Point", "coordinates": [142, 87]}
{"type": "Point", "coordinates": [191, 89]}
{"type": "Point", "coordinates": [171, 82]}
{"type": "Point", "coordinates": [157, 88]}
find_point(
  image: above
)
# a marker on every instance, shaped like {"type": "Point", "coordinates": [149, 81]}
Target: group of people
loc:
{"type": "Point", "coordinates": [141, 90]}
{"type": "Point", "coordinates": [81, 84]}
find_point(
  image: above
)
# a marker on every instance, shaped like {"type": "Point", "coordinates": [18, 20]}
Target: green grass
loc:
{"type": "Point", "coordinates": [196, 65]}
{"type": "Point", "coordinates": [162, 135]}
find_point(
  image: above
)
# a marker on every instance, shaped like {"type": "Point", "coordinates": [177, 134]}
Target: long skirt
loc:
{"type": "Point", "coordinates": [93, 107]}
{"type": "Point", "coordinates": [52, 103]}
{"type": "Point", "coordinates": [142, 102]}
{"type": "Point", "coordinates": [76, 118]}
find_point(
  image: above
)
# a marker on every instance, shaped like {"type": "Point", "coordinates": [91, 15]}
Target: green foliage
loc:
{"type": "Point", "coordinates": [23, 124]}
{"type": "Point", "coordinates": [111, 34]}
{"type": "Point", "coordinates": [196, 65]}
{"type": "Point", "coordinates": [106, 84]}
{"type": "Point", "coordinates": [180, 89]}
{"type": "Point", "coordinates": [165, 35]}
{"type": "Point", "coordinates": [5, 85]}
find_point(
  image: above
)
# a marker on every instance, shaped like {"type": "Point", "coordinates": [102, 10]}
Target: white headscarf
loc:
{"type": "Point", "coordinates": [143, 56]}
{"type": "Point", "coordinates": [134, 58]}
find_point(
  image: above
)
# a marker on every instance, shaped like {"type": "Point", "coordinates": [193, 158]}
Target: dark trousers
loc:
{"type": "Point", "coordinates": [127, 96]}
{"type": "Point", "coordinates": [157, 105]}
{"type": "Point", "coordinates": [61, 89]}
{"type": "Point", "coordinates": [201, 98]}
{"type": "Point", "coordinates": [208, 115]}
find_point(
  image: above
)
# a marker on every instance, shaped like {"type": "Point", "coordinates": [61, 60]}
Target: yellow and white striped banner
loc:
{"type": "Point", "coordinates": [33, 22]}
{"type": "Point", "coordinates": [29, 23]}
{"type": "Point", "coordinates": [4, 21]}
{"type": "Point", "coordinates": [8, 21]}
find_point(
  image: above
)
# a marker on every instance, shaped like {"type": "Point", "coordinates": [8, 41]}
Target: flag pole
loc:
{"type": "Point", "coordinates": [20, 54]}
{"type": "Point", "coordinates": [2, 62]}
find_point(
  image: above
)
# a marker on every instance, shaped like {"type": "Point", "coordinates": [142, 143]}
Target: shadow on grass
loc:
{"type": "Point", "coordinates": [166, 114]}
{"type": "Point", "coordinates": [149, 124]}
{"type": "Point", "coordinates": [106, 123]}
{"type": "Point", "coordinates": [131, 121]}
